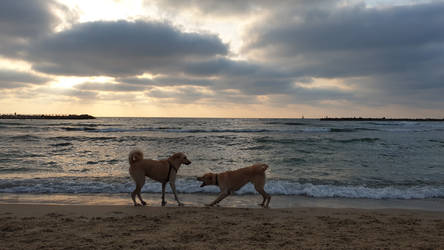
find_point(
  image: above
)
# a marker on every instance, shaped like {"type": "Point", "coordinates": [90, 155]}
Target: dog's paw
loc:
{"type": "Point", "coordinates": [164, 203]}
{"type": "Point", "coordinates": [180, 204]}
{"type": "Point", "coordinates": [143, 203]}
{"type": "Point", "coordinates": [137, 205]}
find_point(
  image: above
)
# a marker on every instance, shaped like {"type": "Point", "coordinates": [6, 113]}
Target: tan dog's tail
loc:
{"type": "Point", "coordinates": [135, 156]}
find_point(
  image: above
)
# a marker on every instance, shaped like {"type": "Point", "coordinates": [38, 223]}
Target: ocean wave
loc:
{"type": "Point", "coordinates": [287, 123]}
{"type": "Point", "coordinates": [26, 138]}
{"type": "Point", "coordinates": [355, 140]}
{"type": "Point", "coordinates": [437, 141]}
{"type": "Point", "coordinates": [112, 185]}
{"type": "Point", "coordinates": [63, 144]}
{"type": "Point", "coordinates": [334, 130]}
{"type": "Point", "coordinates": [215, 130]}
{"type": "Point", "coordinates": [82, 138]}
{"type": "Point", "coordinates": [176, 130]}
{"type": "Point", "coordinates": [12, 123]}
{"type": "Point", "coordinates": [333, 191]}
{"type": "Point", "coordinates": [314, 130]}
{"type": "Point", "coordinates": [78, 129]}
{"type": "Point", "coordinates": [269, 139]}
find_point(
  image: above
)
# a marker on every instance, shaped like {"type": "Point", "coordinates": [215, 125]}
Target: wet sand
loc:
{"type": "Point", "coordinates": [34, 226]}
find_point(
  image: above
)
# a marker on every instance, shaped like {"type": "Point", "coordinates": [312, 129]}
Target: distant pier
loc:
{"type": "Point", "coordinates": [383, 119]}
{"type": "Point", "coordinates": [48, 117]}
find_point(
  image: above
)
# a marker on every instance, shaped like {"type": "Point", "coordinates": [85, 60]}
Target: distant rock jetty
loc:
{"type": "Point", "coordinates": [383, 119]}
{"type": "Point", "coordinates": [48, 117]}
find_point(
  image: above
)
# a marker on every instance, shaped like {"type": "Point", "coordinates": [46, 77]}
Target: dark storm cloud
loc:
{"type": "Point", "coordinates": [396, 52]}
{"type": "Point", "coordinates": [282, 87]}
{"type": "Point", "coordinates": [21, 21]}
{"type": "Point", "coordinates": [355, 28]}
{"type": "Point", "coordinates": [122, 48]}
{"type": "Point", "coordinates": [222, 66]}
{"type": "Point", "coordinates": [397, 48]}
{"type": "Point", "coordinates": [15, 79]}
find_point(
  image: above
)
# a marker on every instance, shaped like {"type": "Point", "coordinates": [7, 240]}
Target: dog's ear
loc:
{"type": "Point", "coordinates": [176, 156]}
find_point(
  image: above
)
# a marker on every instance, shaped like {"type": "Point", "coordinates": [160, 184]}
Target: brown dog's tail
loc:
{"type": "Point", "coordinates": [135, 156]}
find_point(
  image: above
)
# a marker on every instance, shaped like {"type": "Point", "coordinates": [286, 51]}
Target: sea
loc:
{"type": "Point", "coordinates": [309, 159]}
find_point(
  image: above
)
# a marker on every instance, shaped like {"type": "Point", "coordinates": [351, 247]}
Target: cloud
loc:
{"type": "Point", "coordinates": [222, 66]}
{"type": "Point", "coordinates": [380, 56]}
{"type": "Point", "coordinates": [181, 94]}
{"type": "Point", "coordinates": [235, 8]}
{"type": "Point", "coordinates": [396, 49]}
{"type": "Point", "coordinates": [10, 79]}
{"type": "Point", "coordinates": [22, 21]}
{"type": "Point", "coordinates": [110, 87]}
{"type": "Point", "coordinates": [122, 48]}
{"type": "Point", "coordinates": [213, 7]}
{"type": "Point", "coordinates": [167, 81]}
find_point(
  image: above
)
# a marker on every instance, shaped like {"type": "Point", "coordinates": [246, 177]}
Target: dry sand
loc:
{"type": "Point", "coordinates": [124, 227]}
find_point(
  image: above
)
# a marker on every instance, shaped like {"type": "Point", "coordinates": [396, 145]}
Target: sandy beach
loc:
{"type": "Point", "coordinates": [36, 226]}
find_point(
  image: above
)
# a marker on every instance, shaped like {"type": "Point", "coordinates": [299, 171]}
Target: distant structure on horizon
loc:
{"type": "Point", "coordinates": [383, 119]}
{"type": "Point", "coordinates": [48, 117]}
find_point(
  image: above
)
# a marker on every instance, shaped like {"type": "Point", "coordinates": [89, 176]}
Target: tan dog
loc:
{"type": "Point", "coordinates": [231, 181]}
{"type": "Point", "coordinates": [160, 170]}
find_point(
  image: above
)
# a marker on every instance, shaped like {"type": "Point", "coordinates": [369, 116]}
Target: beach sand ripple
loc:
{"type": "Point", "coordinates": [124, 227]}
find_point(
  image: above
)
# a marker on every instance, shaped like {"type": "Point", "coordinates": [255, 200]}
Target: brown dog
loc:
{"type": "Point", "coordinates": [231, 181]}
{"type": "Point", "coordinates": [160, 170]}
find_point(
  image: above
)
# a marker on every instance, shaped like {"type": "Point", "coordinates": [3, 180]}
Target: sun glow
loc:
{"type": "Point", "coordinates": [146, 76]}
{"type": "Point", "coordinates": [66, 82]}
{"type": "Point", "coordinates": [13, 64]}
{"type": "Point", "coordinates": [107, 10]}
{"type": "Point", "coordinates": [319, 83]}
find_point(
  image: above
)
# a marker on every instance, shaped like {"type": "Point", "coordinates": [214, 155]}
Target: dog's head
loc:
{"type": "Point", "coordinates": [180, 158]}
{"type": "Point", "coordinates": [207, 179]}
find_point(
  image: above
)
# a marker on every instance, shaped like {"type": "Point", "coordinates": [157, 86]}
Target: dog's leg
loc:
{"type": "Point", "coordinates": [163, 194]}
{"type": "Point", "coordinates": [265, 196]}
{"type": "Point", "coordinates": [268, 202]}
{"type": "Point", "coordinates": [133, 195]}
{"type": "Point", "coordinates": [140, 181]}
{"type": "Point", "coordinates": [221, 196]}
{"type": "Point", "coordinates": [173, 187]}
{"type": "Point", "coordinates": [140, 198]}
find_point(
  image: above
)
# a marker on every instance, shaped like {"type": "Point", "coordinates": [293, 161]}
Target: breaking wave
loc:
{"type": "Point", "coordinates": [114, 185]}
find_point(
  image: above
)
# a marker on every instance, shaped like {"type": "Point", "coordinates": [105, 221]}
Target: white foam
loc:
{"type": "Point", "coordinates": [188, 185]}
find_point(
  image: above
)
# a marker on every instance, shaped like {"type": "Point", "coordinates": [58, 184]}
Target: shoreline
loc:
{"type": "Point", "coordinates": [233, 201]}
{"type": "Point", "coordinates": [90, 227]}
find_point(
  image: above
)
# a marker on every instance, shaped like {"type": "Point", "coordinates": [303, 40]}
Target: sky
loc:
{"type": "Point", "coordinates": [190, 58]}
